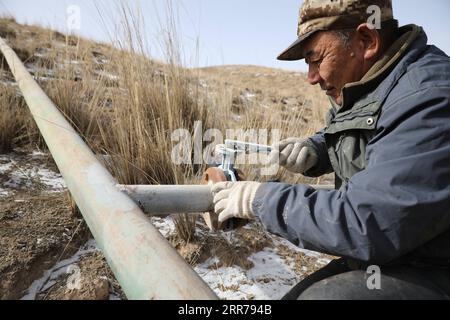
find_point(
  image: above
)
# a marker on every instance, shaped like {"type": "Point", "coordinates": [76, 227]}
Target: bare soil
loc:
{"type": "Point", "coordinates": [97, 282]}
{"type": "Point", "coordinates": [39, 227]}
{"type": "Point", "coordinates": [36, 230]}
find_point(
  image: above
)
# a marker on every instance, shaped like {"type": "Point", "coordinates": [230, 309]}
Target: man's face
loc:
{"type": "Point", "coordinates": [331, 64]}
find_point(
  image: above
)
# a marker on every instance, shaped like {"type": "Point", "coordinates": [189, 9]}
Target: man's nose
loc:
{"type": "Point", "coordinates": [313, 75]}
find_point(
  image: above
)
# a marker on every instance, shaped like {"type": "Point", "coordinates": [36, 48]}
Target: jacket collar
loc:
{"type": "Point", "coordinates": [380, 79]}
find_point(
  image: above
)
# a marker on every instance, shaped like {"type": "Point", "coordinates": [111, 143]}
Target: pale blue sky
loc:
{"type": "Point", "coordinates": [227, 32]}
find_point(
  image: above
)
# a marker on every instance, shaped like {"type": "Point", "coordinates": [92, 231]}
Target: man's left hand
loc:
{"type": "Point", "coordinates": [234, 199]}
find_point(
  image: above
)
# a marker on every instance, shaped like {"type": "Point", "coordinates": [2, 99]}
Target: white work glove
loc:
{"type": "Point", "coordinates": [294, 154]}
{"type": "Point", "coordinates": [234, 199]}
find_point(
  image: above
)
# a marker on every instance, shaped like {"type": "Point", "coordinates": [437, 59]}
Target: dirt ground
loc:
{"type": "Point", "coordinates": [39, 228]}
{"type": "Point", "coordinates": [96, 282]}
{"type": "Point", "coordinates": [36, 230]}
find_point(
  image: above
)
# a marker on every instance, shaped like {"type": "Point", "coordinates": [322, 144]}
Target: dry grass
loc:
{"type": "Point", "coordinates": [9, 118]}
{"type": "Point", "coordinates": [155, 102]}
{"type": "Point", "coordinates": [185, 225]}
{"type": "Point", "coordinates": [16, 125]}
{"type": "Point", "coordinates": [230, 250]}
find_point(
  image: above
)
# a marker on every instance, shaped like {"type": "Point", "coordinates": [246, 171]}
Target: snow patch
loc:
{"type": "Point", "coordinates": [50, 276]}
{"type": "Point", "coordinates": [20, 173]}
{"type": "Point", "coordinates": [52, 179]}
{"type": "Point", "coordinates": [5, 167]}
{"type": "Point", "coordinates": [270, 278]}
{"type": "Point", "coordinates": [107, 75]}
{"type": "Point", "coordinates": [165, 226]}
{"type": "Point", "coordinates": [4, 193]}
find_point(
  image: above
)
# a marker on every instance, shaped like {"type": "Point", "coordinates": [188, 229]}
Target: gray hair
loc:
{"type": "Point", "coordinates": [345, 36]}
{"type": "Point", "coordinates": [388, 34]}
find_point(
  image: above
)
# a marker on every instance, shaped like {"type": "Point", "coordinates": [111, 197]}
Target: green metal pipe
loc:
{"type": "Point", "coordinates": [144, 263]}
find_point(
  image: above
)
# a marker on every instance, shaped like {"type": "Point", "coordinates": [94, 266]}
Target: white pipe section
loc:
{"type": "Point", "coordinates": [158, 200]}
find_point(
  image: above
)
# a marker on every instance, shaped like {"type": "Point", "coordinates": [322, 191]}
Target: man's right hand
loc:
{"type": "Point", "coordinates": [294, 154]}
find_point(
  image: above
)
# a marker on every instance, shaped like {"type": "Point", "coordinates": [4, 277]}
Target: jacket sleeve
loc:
{"type": "Point", "coordinates": [398, 203]}
{"type": "Point", "coordinates": [323, 166]}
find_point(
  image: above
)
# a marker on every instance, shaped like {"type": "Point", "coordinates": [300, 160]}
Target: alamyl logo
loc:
{"type": "Point", "coordinates": [188, 310]}
{"type": "Point", "coordinates": [374, 280]}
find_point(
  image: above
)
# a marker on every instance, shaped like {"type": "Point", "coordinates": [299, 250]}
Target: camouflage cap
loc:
{"type": "Point", "coordinates": [322, 15]}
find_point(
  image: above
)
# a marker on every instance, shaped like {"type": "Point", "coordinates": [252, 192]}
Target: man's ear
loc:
{"type": "Point", "coordinates": [370, 41]}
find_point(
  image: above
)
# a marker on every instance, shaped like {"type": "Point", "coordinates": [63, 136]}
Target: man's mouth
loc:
{"type": "Point", "coordinates": [329, 91]}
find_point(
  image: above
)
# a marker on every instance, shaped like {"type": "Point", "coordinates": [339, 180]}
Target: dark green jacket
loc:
{"type": "Point", "coordinates": [389, 146]}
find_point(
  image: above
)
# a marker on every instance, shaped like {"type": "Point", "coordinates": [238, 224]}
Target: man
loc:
{"type": "Point", "coordinates": [387, 139]}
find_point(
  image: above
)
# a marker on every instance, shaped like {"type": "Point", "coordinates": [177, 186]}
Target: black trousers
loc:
{"type": "Point", "coordinates": [337, 281]}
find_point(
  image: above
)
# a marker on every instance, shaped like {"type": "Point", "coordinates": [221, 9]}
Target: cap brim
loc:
{"type": "Point", "coordinates": [294, 52]}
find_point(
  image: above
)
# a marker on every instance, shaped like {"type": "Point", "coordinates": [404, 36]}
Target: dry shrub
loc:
{"type": "Point", "coordinates": [185, 225]}
{"type": "Point", "coordinates": [16, 127]}
{"type": "Point", "coordinates": [6, 29]}
{"type": "Point", "coordinates": [9, 126]}
{"type": "Point", "coordinates": [153, 103]}
{"type": "Point", "coordinates": [230, 249]}
{"type": "Point", "coordinates": [153, 100]}
{"type": "Point", "coordinates": [77, 100]}
{"type": "Point", "coordinates": [244, 242]}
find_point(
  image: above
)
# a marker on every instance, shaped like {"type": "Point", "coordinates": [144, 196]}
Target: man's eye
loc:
{"type": "Point", "coordinates": [318, 61]}
{"type": "Point", "coordinates": [315, 62]}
